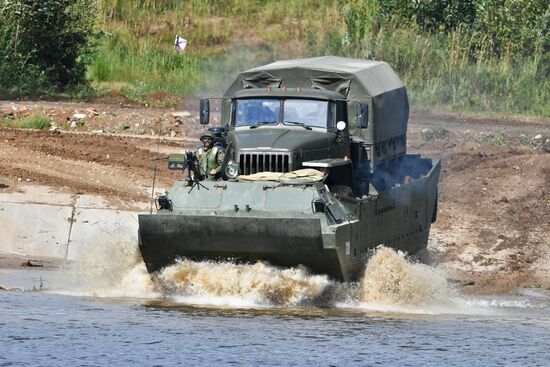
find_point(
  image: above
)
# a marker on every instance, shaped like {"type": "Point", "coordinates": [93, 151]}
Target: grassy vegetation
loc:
{"type": "Point", "coordinates": [471, 55]}
{"type": "Point", "coordinates": [435, 134]}
{"type": "Point", "coordinates": [33, 121]}
{"type": "Point", "coordinates": [465, 68]}
{"type": "Point", "coordinates": [136, 56]}
{"type": "Point", "coordinates": [499, 138]}
{"type": "Point", "coordinates": [454, 68]}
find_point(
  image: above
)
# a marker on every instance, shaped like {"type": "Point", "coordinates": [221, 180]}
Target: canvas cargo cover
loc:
{"type": "Point", "coordinates": [358, 81]}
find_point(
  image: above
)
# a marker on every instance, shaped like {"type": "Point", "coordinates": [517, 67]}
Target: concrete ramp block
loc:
{"type": "Point", "coordinates": [101, 227]}
{"type": "Point", "coordinates": [35, 230]}
{"type": "Point", "coordinates": [41, 222]}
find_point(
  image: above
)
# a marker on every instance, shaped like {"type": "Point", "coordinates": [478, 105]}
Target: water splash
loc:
{"type": "Point", "coordinates": [258, 283]}
{"type": "Point", "coordinates": [390, 283]}
{"type": "Point", "coordinates": [390, 279]}
{"type": "Point", "coordinates": [108, 269]}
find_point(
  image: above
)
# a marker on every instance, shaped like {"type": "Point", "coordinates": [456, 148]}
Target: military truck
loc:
{"type": "Point", "coordinates": [316, 173]}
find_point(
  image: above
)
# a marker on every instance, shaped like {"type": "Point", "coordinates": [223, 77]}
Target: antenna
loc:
{"type": "Point", "coordinates": [155, 166]}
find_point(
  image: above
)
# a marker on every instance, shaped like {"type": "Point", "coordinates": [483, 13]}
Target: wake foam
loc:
{"type": "Point", "coordinates": [256, 284]}
{"type": "Point", "coordinates": [390, 283]}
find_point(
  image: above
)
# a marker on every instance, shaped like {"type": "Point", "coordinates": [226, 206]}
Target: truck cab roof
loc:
{"type": "Point", "coordinates": [307, 93]}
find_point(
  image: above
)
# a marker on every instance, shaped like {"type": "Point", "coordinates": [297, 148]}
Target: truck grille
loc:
{"type": "Point", "coordinates": [264, 162]}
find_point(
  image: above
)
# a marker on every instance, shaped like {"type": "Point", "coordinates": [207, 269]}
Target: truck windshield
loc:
{"type": "Point", "coordinates": [297, 112]}
{"type": "Point", "coordinates": [306, 112]}
{"type": "Point", "coordinates": [255, 112]}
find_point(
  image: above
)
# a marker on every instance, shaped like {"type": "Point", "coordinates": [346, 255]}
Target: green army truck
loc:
{"type": "Point", "coordinates": [316, 173]}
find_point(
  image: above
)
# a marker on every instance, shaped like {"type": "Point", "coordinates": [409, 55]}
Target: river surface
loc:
{"type": "Point", "coordinates": [197, 314]}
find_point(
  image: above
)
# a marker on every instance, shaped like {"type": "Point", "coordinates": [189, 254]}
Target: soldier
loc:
{"type": "Point", "coordinates": [210, 157]}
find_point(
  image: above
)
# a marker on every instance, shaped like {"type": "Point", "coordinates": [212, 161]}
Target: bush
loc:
{"type": "Point", "coordinates": [497, 27]}
{"type": "Point", "coordinates": [481, 55]}
{"type": "Point", "coordinates": [33, 121]}
{"type": "Point", "coordinates": [435, 134]}
{"type": "Point", "coordinates": [497, 139]}
{"type": "Point", "coordinates": [45, 45]}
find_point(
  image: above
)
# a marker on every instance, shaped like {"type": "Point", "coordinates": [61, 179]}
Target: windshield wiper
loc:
{"type": "Point", "coordinates": [260, 123]}
{"type": "Point", "coordinates": [298, 124]}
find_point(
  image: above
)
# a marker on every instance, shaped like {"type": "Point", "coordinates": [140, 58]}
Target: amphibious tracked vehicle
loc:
{"type": "Point", "coordinates": [316, 173]}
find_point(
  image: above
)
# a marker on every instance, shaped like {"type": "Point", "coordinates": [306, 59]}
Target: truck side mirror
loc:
{"type": "Point", "coordinates": [204, 111]}
{"type": "Point", "coordinates": [362, 117]}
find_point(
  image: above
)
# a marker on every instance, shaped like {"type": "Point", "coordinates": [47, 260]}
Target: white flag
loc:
{"type": "Point", "coordinates": [180, 43]}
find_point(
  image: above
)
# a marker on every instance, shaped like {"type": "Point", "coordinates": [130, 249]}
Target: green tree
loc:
{"type": "Point", "coordinates": [45, 44]}
{"type": "Point", "coordinates": [429, 15]}
{"type": "Point", "coordinates": [510, 27]}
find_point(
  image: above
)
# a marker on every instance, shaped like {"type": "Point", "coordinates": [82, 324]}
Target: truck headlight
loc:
{"type": "Point", "coordinates": [232, 170]}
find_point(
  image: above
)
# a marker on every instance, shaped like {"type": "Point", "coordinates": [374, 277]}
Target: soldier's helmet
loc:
{"type": "Point", "coordinates": [208, 135]}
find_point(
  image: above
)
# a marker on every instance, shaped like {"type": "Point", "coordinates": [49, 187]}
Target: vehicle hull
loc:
{"type": "Point", "coordinates": [285, 242]}
{"type": "Point", "coordinates": [280, 227]}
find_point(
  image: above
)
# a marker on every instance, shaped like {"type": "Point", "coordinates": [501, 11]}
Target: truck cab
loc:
{"type": "Point", "coordinates": [344, 116]}
{"type": "Point", "coordinates": [280, 129]}
{"type": "Point", "coordinates": [287, 129]}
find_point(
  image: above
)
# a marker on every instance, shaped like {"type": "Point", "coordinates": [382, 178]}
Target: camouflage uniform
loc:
{"type": "Point", "coordinates": [210, 159]}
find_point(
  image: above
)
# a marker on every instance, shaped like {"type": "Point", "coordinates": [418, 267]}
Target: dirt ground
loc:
{"type": "Point", "coordinates": [493, 226]}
